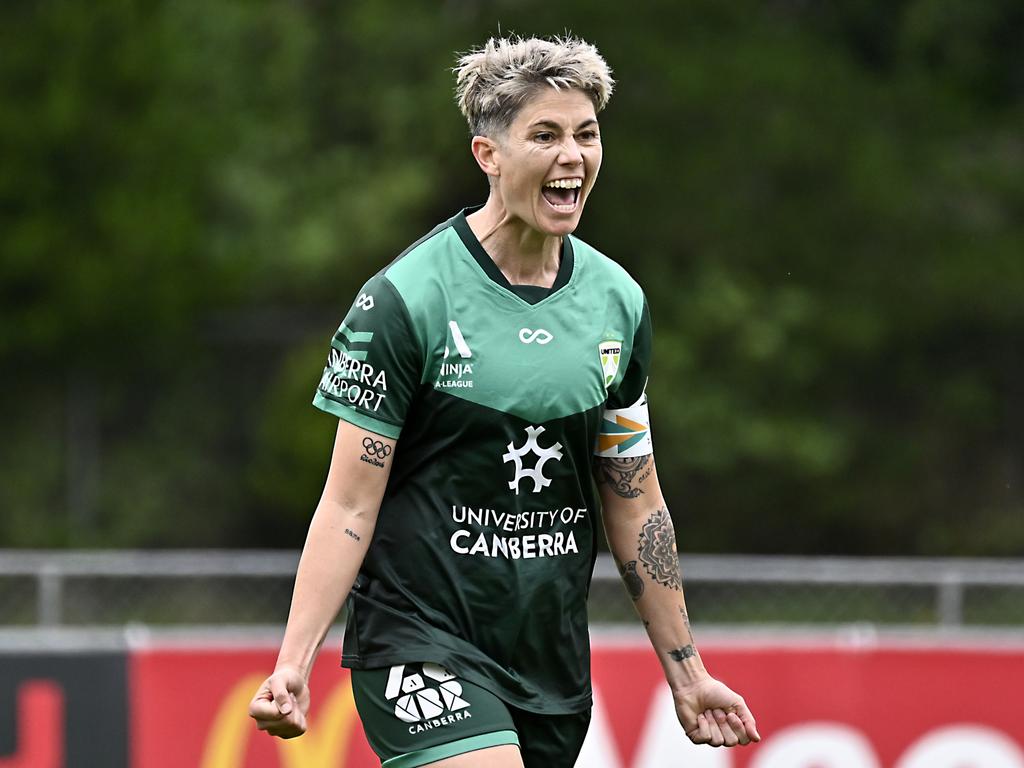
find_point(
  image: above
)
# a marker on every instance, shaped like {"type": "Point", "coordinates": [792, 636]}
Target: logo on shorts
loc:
{"type": "Point", "coordinates": [431, 698]}
{"type": "Point", "coordinates": [536, 474]}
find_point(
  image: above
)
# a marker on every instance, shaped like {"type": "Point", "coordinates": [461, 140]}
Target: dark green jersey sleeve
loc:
{"type": "Point", "coordinates": [375, 363]}
{"type": "Point", "coordinates": [634, 381]}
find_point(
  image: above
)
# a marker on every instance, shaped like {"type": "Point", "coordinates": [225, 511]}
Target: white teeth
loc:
{"type": "Point", "coordinates": [565, 183]}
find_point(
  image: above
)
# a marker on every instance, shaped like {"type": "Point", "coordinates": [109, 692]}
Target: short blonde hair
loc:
{"type": "Point", "coordinates": [493, 82]}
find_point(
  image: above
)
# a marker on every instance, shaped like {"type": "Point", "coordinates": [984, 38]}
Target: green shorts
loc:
{"type": "Point", "coordinates": [416, 714]}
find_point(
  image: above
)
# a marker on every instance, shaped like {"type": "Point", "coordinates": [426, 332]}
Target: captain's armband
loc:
{"type": "Point", "coordinates": [625, 432]}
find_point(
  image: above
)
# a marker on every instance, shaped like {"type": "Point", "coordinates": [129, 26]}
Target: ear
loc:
{"type": "Point", "coordinates": [485, 152]}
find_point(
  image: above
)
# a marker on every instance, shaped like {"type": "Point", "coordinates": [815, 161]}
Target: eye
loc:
{"type": "Point", "coordinates": [589, 135]}
{"type": "Point", "coordinates": [544, 136]}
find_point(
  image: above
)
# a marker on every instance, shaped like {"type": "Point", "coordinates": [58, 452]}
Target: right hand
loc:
{"type": "Point", "coordinates": [281, 703]}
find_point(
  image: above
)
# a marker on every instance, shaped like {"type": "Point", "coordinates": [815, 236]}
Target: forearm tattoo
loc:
{"type": "Point", "coordinates": [624, 476]}
{"type": "Point", "coordinates": [353, 535]}
{"type": "Point", "coordinates": [688, 651]}
{"type": "Point", "coordinates": [633, 581]}
{"type": "Point", "coordinates": [657, 550]}
{"type": "Point", "coordinates": [684, 653]}
{"type": "Point", "coordinates": [686, 621]}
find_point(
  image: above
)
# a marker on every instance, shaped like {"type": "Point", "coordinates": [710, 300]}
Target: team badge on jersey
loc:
{"type": "Point", "coordinates": [610, 352]}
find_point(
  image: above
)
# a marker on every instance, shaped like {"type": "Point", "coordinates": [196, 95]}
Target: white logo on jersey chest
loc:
{"type": "Point", "coordinates": [528, 336]}
{"type": "Point", "coordinates": [515, 455]}
{"type": "Point", "coordinates": [455, 373]}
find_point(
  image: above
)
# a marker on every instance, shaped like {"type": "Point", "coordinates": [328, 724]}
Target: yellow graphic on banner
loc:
{"type": "Point", "coordinates": [325, 745]}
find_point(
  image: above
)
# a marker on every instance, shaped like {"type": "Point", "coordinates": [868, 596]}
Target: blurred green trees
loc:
{"type": "Point", "coordinates": [823, 202]}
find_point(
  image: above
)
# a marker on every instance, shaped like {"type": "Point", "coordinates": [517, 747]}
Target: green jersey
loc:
{"type": "Point", "coordinates": [484, 546]}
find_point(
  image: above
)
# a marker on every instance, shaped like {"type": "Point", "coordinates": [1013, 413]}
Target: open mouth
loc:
{"type": "Point", "coordinates": [562, 194]}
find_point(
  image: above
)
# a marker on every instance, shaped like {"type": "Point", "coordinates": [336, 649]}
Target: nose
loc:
{"type": "Point", "coordinates": [570, 154]}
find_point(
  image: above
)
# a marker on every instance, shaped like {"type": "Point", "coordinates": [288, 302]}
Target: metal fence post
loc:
{"type": "Point", "coordinates": [51, 587]}
{"type": "Point", "coordinates": [951, 600]}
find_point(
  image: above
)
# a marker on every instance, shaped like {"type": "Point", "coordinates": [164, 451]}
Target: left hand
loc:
{"type": "Point", "coordinates": [711, 713]}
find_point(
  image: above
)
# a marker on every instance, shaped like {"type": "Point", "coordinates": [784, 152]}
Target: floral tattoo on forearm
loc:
{"type": "Point", "coordinates": [624, 476]}
{"type": "Point", "coordinates": [657, 550]}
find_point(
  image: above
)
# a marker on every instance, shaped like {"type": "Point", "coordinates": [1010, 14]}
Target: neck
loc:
{"type": "Point", "coordinates": [524, 255]}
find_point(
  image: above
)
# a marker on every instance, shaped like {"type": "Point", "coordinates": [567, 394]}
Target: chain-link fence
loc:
{"type": "Point", "coordinates": [95, 589]}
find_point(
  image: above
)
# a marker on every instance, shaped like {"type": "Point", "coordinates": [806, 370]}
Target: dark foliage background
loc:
{"type": "Point", "coordinates": [823, 200]}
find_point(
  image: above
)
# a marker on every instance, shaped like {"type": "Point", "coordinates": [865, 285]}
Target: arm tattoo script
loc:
{"type": "Point", "coordinates": [684, 653]}
{"type": "Point", "coordinates": [657, 550]}
{"type": "Point", "coordinates": [624, 475]}
{"type": "Point", "coordinates": [634, 581]}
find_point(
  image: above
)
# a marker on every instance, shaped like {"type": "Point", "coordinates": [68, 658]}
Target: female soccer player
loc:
{"type": "Point", "coordinates": [479, 379]}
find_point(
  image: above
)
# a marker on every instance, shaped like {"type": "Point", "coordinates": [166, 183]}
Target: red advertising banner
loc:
{"type": "Point", "coordinates": [817, 707]}
{"type": "Point", "coordinates": [823, 707]}
{"type": "Point", "coordinates": [189, 708]}
{"type": "Point", "coordinates": [63, 710]}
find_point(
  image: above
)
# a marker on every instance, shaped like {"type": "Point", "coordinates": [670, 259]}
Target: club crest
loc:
{"type": "Point", "coordinates": [610, 352]}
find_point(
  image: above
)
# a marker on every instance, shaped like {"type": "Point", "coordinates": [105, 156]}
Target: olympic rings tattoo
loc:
{"type": "Point", "coordinates": [376, 448]}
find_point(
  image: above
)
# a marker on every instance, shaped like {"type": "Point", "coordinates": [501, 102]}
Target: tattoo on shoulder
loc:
{"type": "Point", "coordinates": [684, 653]}
{"type": "Point", "coordinates": [657, 550]}
{"type": "Point", "coordinates": [634, 581]}
{"type": "Point", "coordinates": [374, 452]}
{"type": "Point", "coordinates": [353, 535]}
{"type": "Point", "coordinates": [623, 476]}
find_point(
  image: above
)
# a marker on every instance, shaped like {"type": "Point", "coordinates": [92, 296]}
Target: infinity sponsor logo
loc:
{"type": "Point", "coordinates": [528, 336]}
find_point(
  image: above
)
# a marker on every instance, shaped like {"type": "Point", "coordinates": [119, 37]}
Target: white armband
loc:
{"type": "Point", "coordinates": [625, 432]}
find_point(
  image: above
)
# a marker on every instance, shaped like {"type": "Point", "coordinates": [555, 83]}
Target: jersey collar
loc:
{"type": "Point", "coordinates": [462, 228]}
